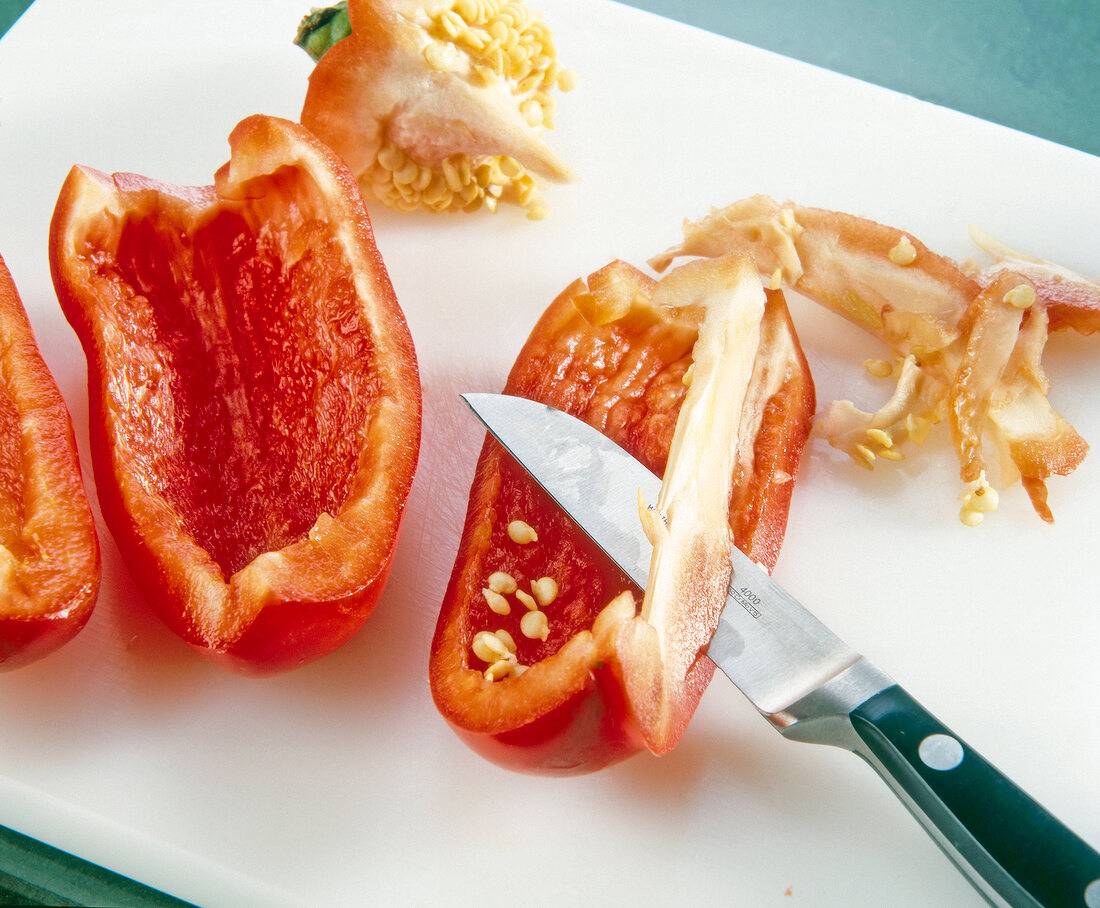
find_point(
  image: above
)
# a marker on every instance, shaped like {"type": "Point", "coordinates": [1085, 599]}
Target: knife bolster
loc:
{"type": "Point", "coordinates": [823, 715]}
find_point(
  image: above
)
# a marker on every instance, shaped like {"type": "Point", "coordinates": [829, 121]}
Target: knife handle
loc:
{"type": "Point", "coordinates": [1012, 850]}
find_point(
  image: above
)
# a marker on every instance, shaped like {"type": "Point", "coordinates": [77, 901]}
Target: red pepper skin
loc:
{"type": "Point", "coordinates": [568, 712]}
{"type": "Point", "coordinates": [253, 393]}
{"type": "Point", "coordinates": [49, 563]}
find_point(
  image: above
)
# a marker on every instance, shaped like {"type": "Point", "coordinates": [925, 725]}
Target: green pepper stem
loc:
{"type": "Point", "coordinates": [323, 27]}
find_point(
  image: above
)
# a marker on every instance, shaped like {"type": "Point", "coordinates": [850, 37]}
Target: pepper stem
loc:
{"type": "Point", "coordinates": [323, 27]}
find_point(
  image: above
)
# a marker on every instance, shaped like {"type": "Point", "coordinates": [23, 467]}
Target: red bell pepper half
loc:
{"type": "Point", "coordinates": [254, 395]}
{"type": "Point", "coordinates": [49, 553]}
{"type": "Point", "coordinates": [552, 694]}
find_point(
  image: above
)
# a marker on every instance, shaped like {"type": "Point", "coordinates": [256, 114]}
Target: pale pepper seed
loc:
{"type": "Point", "coordinates": [522, 533]}
{"type": "Point", "coordinates": [545, 590]}
{"type": "Point", "coordinates": [496, 602]}
{"type": "Point", "coordinates": [502, 582]}
{"type": "Point", "coordinates": [1021, 297]}
{"type": "Point", "coordinates": [904, 253]}
{"type": "Point", "coordinates": [535, 625]}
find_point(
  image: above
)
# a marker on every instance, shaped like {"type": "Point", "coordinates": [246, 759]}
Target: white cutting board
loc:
{"type": "Point", "coordinates": [339, 784]}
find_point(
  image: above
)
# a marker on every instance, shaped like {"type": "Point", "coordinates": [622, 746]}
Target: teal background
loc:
{"type": "Point", "coordinates": [1033, 65]}
{"type": "Point", "coordinates": [10, 10]}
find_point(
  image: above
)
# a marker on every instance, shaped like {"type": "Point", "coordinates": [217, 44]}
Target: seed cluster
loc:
{"type": "Point", "coordinates": [498, 648]}
{"type": "Point", "coordinates": [494, 42]}
{"type": "Point", "coordinates": [979, 499]}
{"type": "Point", "coordinates": [882, 441]}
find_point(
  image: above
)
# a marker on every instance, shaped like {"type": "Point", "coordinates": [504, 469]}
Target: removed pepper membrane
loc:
{"type": "Point", "coordinates": [966, 342]}
{"type": "Point", "coordinates": [254, 395]}
{"type": "Point", "coordinates": [542, 660]}
{"type": "Point", "coordinates": [439, 105]}
{"type": "Point", "coordinates": [49, 553]}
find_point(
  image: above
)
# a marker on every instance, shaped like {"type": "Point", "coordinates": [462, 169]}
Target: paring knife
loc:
{"type": "Point", "coordinates": [808, 683]}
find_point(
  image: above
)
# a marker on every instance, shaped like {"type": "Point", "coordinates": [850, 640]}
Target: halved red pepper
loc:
{"type": "Point", "coordinates": [254, 395]}
{"type": "Point", "coordinates": [49, 553]}
{"type": "Point", "coordinates": [606, 353]}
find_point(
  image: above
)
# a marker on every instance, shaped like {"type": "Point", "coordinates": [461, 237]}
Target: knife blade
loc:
{"type": "Point", "coordinates": [807, 682]}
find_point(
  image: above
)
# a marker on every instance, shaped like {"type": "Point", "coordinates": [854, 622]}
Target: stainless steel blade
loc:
{"type": "Point", "coordinates": [789, 664]}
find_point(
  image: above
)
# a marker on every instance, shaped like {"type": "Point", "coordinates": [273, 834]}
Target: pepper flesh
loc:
{"type": "Point", "coordinates": [606, 352]}
{"type": "Point", "coordinates": [254, 396]}
{"type": "Point", "coordinates": [49, 553]}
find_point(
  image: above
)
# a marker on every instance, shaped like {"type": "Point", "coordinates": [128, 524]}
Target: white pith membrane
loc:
{"type": "Point", "coordinates": [689, 523]}
{"type": "Point", "coordinates": [965, 342]}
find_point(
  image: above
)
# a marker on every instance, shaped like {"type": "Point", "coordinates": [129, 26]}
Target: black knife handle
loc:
{"type": "Point", "coordinates": [1011, 849]}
